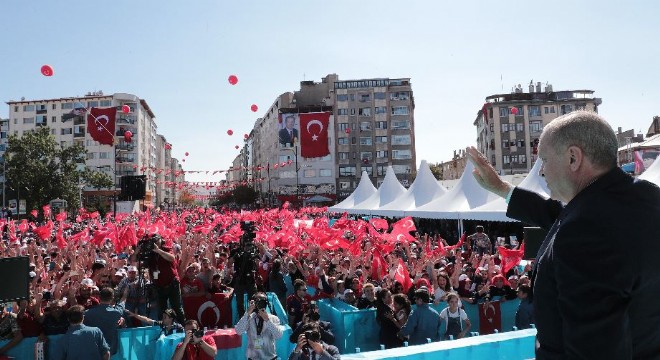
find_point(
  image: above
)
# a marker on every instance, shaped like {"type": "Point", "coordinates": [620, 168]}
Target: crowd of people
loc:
{"type": "Point", "coordinates": [137, 270]}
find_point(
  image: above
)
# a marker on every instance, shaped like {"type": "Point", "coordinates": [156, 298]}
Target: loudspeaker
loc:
{"type": "Point", "coordinates": [16, 286]}
{"type": "Point", "coordinates": [533, 239]}
{"type": "Point", "coordinates": [133, 187]}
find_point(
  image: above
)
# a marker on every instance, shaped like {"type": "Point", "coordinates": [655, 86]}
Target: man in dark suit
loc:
{"type": "Point", "coordinates": [289, 135]}
{"type": "Point", "coordinates": [595, 281]}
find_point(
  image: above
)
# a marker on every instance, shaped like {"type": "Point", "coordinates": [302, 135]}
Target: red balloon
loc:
{"type": "Point", "coordinates": [187, 153]}
{"type": "Point", "coordinates": [134, 167]}
{"type": "Point", "coordinates": [47, 70]}
{"type": "Point", "coordinates": [184, 160]}
{"type": "Point", "coordinates": [254, 108]}
{"type": "Point", "coordinates": [168, 146]}
{"type": "Point", "coordinates": [230, 132]}
{"type": "Point", "coordinates": [246, 136]}
{"type": "Point", "coordinates": [348, 130]}
{"type": "Point", "coordinates": [128, 136]}
{"type": "Point", "coordinates": [275, 166]}
{"type": "Point", "coordinates": [125, 109]}
{"type": "Point", "coordinates": [236, 147]}
{"type": "Point", "coordinates": [514, 110]}
{"type": "Point", "coordinates": [233, 79]}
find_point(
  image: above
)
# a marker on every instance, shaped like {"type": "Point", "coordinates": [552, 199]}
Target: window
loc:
{"type": "Point", "coordinates": [381, 139]}
{"type": "Point", "coordinates": [535, 126]}
{"type": "Point", "coordinates": [309, 173]}
{"type": "Point", "coordinates": [401, 154]}
{"type": "Point", "coordinates": [365, 125]}
{"type": "Point", "coordinates": [343, 126]}
{"type": "Point", "coordinates": [381, 170]}
{"type": "Point", "coordinates": [283, 158]}
{"type": "Point", "coordinates": [366, 155]}
{"type": "Point", "coordinates": [401, 169]}
{"type": "Point", "coordinates": [342, 141]}
{"type": "Point", "coordinates": [521, 111]}
{"type": "Point", "coordinates": [287, 174]}
{"type": "Point", "coordinates": [66, 106]}
{"type": "Point", "coordinates": [41, 120]}
{"type": "Point", "coordinates": [53, 106]}
{"type": "Point", "coordinates": [91, 156]}
{"type": "Point", "coordinates": [565, 109]}
{"type": "Point", "coordinates": [15, 108]}
{"type": "Point", "coordinates": [364, 111]}
{"type": "Point", "coordinates": [53, 119]}
{"type": "Point", "coordinates": [504, 111]}
{"type": "Point", "coordinates": [534, 110]}
{"type": "Point", "coordinates": [365, 141]}
{"type": "Point", "coordinates": [347, 171]}
{"type": "Point", "coordinates": [492, 127]}
{"type": "Point", "coordinates": [520, 127]}
{"type": "Point", "coordinates": [552, 109]}
{"type": "Point", "coordinates": [400, 124]}
{"type": "Point", "coordinates": [352, 97]}
{"type": "Point", "coordinates": [364, 97]}
{"type": "Point", "coordinates": [66, 131]}
{"type": "Point", "coordinates": [325, 173]}
{"type": "Point", "coordinates": [505, 127]}
{"type": "Point", "coordinates": [342, 111]}
{"type": "Point", "coordinates": [342, 97]}
{"type": "Point", "coordinates": [399, 95]}
{"type": "Point", "coordinates": [104, 155]}
{"type": "Point", "coordinates": [381, 124]}
{"type": "Point", "coordinates": [354, 154]}
{"type": "Point", "coordinates": [581, 106]}
{"type": "Point", "coordinates": [379, 96]}
{"type": "Point", "coordinates": [91, 104]}
{"type": "Point", "coordinates": [344, 185]}
{"type": "Point", "coordinates": [381, 154]}
{"type": "Point", "coordinates": [105, 102]}
{"type": "Point", "coordinates": [400, 139]}
{"type": "Point", "coordinates": [399, 110]}
{"type": "Point", "coordinates": [369, 169]}
{"type": "Point", "coordinates": [505, 159]}
{"type": "Point", "coordinates": [41, 107]}
{"type": "Point", "coordinates": [546, 109]}
{"type": "Point", "coordinates": [505, 144]}
{"type": "Point", "coordinates": [352, 111]}
{"type": "Point", "coordinates": [29, 120]}
{"type": "Point", "coordinates": [514, 159]}
{"type": "Point", "coordinates": [28, 107]}
{"type": "Point", "coordinates": [343, 155]}
{"type": "Point", "coordinates": [380, 110]}
{"type": "Point", "coordinates": [522, 159]}
{"type": "Point", "coordinates": [520, 143]}
{"type": "Point", "coordinates": [353, 140]}
{"type": "Point", "coordinates": [52, 131]}
{"type": "Point", "coordinates": [492, 160]}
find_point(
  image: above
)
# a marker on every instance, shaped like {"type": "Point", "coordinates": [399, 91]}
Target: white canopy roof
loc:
{"type": "Point", "coordinates": [362, 192]}
{"type": "Point", "coordinates": [388, 191]}
{"type": "Point", "coordinates": [424, 190]}
{"type": "Point", "coordinates": [466, 195]}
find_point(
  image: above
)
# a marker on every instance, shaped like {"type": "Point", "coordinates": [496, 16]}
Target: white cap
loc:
{"type": "Point", "coordinates": [87, 282]}
{"type": "Point", "coordinates": [462, 277]}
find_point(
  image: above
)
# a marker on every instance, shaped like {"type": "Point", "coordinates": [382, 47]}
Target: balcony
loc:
{"type": "Point", "coordinates": [78, 120]}
{"type": "Point", "coordinates": [125, 147]}
{"type": "Point", "coordinates": [79, 134]}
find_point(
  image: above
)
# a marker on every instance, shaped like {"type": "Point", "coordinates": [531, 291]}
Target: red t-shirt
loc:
{"type": "Point", "coordinates": [195, 352]}
{"type": "Point", "coordinates": [167, 270]}
{"type": "Point", "coordinates": [87, 302]}
{"type": "Point", "coordinates": [191, 286]}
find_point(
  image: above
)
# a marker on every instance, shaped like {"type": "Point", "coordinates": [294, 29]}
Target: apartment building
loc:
{"type": "Point", "coordinates": [125, 158]}
{"type": "Point", "coordinates": [509, 125]}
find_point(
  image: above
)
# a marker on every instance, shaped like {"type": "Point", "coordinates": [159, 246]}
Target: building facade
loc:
{"type": "Point", "coordinates": [125, 158]}
{"type": "Point", "coordinates": [509, 125]}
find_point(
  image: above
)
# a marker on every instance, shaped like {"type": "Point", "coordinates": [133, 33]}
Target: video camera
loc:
{"type": "Point", "coordinates": [145, 249]}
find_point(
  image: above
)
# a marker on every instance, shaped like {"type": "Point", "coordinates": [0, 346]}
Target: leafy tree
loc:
{"type": "Point", "coordinates": [186, 198]}
{"type": "Point", "coordinates": [42, 170]}
{"type": "Point", "coordinates": [244, 195]}
{"type": "Point", "coordinates": [436, 169]}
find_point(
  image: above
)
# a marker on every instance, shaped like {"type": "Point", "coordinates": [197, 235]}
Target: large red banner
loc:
{"type": "Point", "coordinates": [314, 134]}
{"type": "Point", "coordinates": [211, 313]}
{"type": "Point", "coordinates": [101, 124]}
{"type": "Point", "coordinates": [490, 317]}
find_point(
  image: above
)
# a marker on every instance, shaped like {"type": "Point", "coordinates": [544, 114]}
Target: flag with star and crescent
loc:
{"type": "Point", "coordinates": [101, 124]}
{"type": "Point", "coordinates": [314, 134]}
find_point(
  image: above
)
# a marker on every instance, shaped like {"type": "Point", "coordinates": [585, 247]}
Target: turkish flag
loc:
{"type": "Point", "coordinates": [510, 258]}
{"type": "Point", "coordinates": [314, 134]}
{"type": "Point", "coordinates": [101, 124]}
{"type": "Point", "coordinates": [490, 317]}
{"type": "Point", "coordinates": [211, 313]}
{"type": "Point", "coordinates": [378, 266]}
{"type": "Point", "coordinates": [402, 276]}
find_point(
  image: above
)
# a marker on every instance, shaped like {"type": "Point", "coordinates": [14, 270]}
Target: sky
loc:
{"type": "Point", "coordinates": [178, 55]}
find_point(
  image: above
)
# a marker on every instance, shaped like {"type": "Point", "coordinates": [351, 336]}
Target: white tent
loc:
{"type": "Point", "coordinates": [362, 192]}
{"type": "Point", "coordinates": [496, 209]}
{"type": "Point", "coordinates": [424, 190]}
{"type": "Point", "coordinates": [388, 191]}
{"type": "Point", "coordinates": [466, 195]}
{"type": "Point", "coordinates": [652, 174]}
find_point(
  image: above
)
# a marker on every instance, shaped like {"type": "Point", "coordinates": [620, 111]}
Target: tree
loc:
{"type": "Point", "coordinates": [186, 198]}
{"type": "Point", "coordinates": [244, 195]}
{"type": "Point", "coordinates": [40, 170]}
{"type": "Point", "coordinates": [436, 169]}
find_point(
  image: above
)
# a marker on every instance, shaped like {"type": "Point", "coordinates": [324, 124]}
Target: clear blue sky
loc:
{"type": "Point", "coordinates": [177, 56]}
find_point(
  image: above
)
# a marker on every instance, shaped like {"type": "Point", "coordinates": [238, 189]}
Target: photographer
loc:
{"type": "Point", "coordinates": [262, 328]}
{"type": "Point", "coordinates": [312, 316]}
{"type": "Point", "coordinates": [163, 268]}
{"type": "Point", "coordinates": [311, 346]}
{"type": "Point", "coordinates": [195, 345]}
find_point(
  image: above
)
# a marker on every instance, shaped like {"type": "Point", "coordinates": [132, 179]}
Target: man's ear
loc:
{"type": "Point", "coordinates": [576, 157]}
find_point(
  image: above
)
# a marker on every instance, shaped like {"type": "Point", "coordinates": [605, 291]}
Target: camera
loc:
{"type": "Point", "coordinates": [145, 249]}
{"type": "Point", "coordinates": [312, 335]}
{"type": "Point", "coordinates": [199, 333]}
{"type": "Point", "coordinates": [47, 296]}
{"type": "Point", "coordinates": [260, 304]}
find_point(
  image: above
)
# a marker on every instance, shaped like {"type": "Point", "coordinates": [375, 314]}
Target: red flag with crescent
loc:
{"type": "Point", "coordinates": [402, 276]}
{"type": "Point", "coordinates": [314, 134]}
{"type": "Point", "coordinates": [101, 124]}
{"type": "Point", "coordinates": [211, 313]}
{"type": "Point", "coordinates": [490, 317]}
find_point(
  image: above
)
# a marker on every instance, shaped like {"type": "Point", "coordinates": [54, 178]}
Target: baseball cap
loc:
{"type": "Point", "coordinates": [132, 268]}
{"type": "Point", "coordinates": [348, 291]}
{"type": "Point", "coordinates": [87, 282]}
{"type": "Point", "coordinates": [462, 277]}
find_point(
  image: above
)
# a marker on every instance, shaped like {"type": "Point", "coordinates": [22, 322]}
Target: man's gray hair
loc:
{"type": "Point", "coordinates": [588, 131]}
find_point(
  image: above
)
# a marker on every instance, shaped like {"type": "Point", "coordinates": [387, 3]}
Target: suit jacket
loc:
{"type": "Point", "coordinates": [285, 138]}
{"type": "Point", "coordinates": [596, 283]}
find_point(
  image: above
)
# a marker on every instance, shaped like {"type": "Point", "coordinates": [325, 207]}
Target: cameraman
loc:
{"type": "Point", "coordinates": [312, 316]}
{"type": "Point", "coordinates": [244, 266]}
{"type": "Point", "coordinates": [195, 345]}
{"type": "Point", "coordinates": [311, 346]}
{"type": "Point", "coordinates": [166, 278]}
{"type": "Point", "coordinates": [262, 328]}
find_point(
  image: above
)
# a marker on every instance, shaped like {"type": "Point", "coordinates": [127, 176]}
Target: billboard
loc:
{"type": "Point", "coordinates": [288, 129]}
